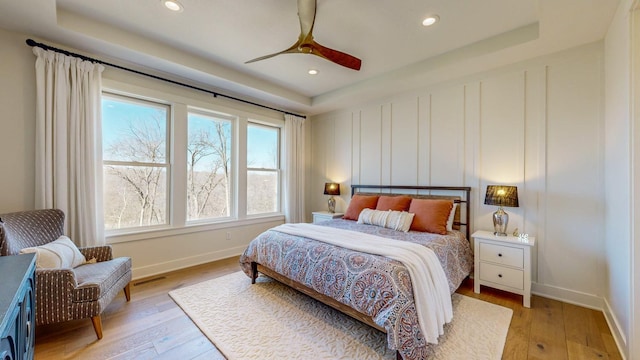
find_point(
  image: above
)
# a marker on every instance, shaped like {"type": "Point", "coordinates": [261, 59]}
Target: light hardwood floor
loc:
{"type": "Point", "coordinates": [152, 326]}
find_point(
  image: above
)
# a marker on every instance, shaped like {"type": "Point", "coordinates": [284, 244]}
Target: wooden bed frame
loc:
{"type": "Point", "coordinates": [464, 199]}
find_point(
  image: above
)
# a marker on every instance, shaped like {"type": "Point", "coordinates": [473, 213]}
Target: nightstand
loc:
{"type": "Point", "coordinates": [503, 262]}
{"type": "Point", "coordinates": [319, 216]}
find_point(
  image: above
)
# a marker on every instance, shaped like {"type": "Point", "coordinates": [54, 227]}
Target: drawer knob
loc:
{"type": "Point", "coordinates": [499, 275]}
{"type": "Point", "coordinates": [499, 254]}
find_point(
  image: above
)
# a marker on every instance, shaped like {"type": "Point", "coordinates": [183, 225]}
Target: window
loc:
{"type": "Point", "coordinates": [135, 162]}
{"type": "Point", "coordinates": [209, 166]}
{"type": "Point", "coordinates": [173, 164]}
{"type": "Point", "coordinates": [263, 169]}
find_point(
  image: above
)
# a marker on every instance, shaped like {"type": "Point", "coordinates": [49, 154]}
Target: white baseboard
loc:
{"type": "Point", "coordinates": [178, 264]}
{"type": "Point", "coordinates": [616, 329]}
{"type": "Point", "coordinates": [569, 296]}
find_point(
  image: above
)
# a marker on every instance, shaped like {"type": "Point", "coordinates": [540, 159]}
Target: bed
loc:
{"type": "Point", "coordinates": [373, 288]}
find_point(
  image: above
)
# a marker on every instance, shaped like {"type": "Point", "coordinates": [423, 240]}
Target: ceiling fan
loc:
{"type": "Point", "coordinates": [307, 45]}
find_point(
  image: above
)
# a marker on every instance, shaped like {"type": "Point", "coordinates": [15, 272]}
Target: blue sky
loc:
{"type": "Point", "coordinates": [117, 114]}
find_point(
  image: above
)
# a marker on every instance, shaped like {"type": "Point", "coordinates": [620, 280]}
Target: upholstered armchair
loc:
{"type": "Point", "coordinates": [67, 293]}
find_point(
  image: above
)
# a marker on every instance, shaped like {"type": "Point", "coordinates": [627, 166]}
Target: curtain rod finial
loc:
{"type": "Point", "coordinates": [31, 42]}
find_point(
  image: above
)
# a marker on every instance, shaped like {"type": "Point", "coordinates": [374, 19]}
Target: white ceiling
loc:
{"type": "Point", "coordinates": [209, 42]}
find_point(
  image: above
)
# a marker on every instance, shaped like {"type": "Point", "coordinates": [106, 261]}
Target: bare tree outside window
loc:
{"type": "Point", "coordinates": [208, 167]}
{"type": "Point", "coordinates": [263, 169]}
{"type": "Point", "coordinates": [141, 187]}
{"type": "Point", "coordinates": [134, 162]}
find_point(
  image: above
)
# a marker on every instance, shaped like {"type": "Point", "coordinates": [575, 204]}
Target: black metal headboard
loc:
{"type": "Point", "coordinates": [465, 198]}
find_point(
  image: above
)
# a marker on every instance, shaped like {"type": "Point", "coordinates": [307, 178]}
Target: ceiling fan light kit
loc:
{"type": "Point", "coordinates": [307, 45]}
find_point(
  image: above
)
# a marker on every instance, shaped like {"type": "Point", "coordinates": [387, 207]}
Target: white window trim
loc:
{"type": "Point", "coordinates": [168, 231]}
{"type": "Point", "coordinates": [135, 99]}
{"type": "Point", "coordinates": [233, 211]}
{"type": "Point", "coordinates": [277, 170]}
{"type": "Point", "coordinates": [181, 102]}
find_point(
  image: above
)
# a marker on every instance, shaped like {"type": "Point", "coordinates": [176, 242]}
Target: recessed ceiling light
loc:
{"type": "Point", "coordinates": [172, 5]}
{"type": "Point", "coordinates": [430, 20]}
{"type": "Point", "coordinates": [313, 72]}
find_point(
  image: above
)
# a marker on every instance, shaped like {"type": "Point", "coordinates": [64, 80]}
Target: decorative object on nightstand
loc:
{"type": "Point", "coordinates": [503, 262]}
{"type": "Point", "coordinates": [319, 216]}
{"type": "Point", "coordinates": [501, 195]}
{"type": "Point", "coordinates": [332, 189]}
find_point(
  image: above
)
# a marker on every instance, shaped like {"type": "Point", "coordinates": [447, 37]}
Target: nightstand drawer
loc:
{"type": "Point", "coordinates": [504, 255]}
{"type": "Point", "coordinates": [500, 275]}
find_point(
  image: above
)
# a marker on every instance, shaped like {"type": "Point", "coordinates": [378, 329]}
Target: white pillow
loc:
{"type": "Point", "coordinates": [396, 220]}
{"type": "Point", "coordinates": [373, 217]}
{"type": "Point", "coordinates": [400, 220]}
{"type": "Point", "coordinates": [59, 254]}
{"type": "Point", "coordinates": [452, 214]}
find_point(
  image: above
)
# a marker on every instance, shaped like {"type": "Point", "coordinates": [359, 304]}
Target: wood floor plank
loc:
{"type": "Point", "coordinates": [577, 351]}
{"type": "Point", "coordinates": [517, 344]}
{"type": "Point", "coordinates": [581, 326]}
{"type": "Point", "coordinates": [152, 326]}
{"type": "Point", "coordinates": [547, 339]}
{"type": "Point", "coordinates": [612, 347]}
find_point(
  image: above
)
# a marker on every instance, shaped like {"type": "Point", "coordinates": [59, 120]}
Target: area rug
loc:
{"type": "Point", "coordinates": [269, 320]}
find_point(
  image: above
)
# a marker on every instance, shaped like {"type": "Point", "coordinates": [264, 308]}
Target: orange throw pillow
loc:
{"type": "Point", "coordinates": [431, 215]}
{"type": "Point", "coordinates": [357, 204]}
{"type": "Point", "coordinates": [396, 203]}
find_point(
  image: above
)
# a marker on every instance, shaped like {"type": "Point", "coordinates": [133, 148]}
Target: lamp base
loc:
{"type": "Point", "coordinates": [332, 204]}
{"type": "Point", "coordinates": [500, 222]}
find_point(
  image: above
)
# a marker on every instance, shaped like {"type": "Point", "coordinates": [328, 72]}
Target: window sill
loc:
{"type": "Point", "coordinates": [187, 229]}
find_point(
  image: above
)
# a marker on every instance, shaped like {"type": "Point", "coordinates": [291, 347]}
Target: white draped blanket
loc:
{"type": "Point", "coordinates": [430, 287]}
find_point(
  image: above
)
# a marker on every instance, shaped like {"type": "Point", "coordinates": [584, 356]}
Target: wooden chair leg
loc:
{"type": "Point", "coordinates": [97, 325]}
{"type": "Point", "coordinates": [127, 291]}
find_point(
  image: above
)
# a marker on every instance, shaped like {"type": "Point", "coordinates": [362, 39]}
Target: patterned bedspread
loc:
{"type": "Point", "coordinates": [371, 284]}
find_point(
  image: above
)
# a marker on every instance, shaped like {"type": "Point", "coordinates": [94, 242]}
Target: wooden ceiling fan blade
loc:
{"type": "Point", "coordinates": [293, 49]}
{"type": "Point", "coordinates": [307, 16]}
{"type": "Point", "coordinates": [336, 56]}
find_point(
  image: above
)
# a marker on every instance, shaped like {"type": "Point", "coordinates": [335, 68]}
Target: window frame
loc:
{"type": "Point", "coordinates": [233, 175]}
{"type": "Point", "coordinates": [182, 101]}
{"type": "Point", "coordinates": [167, 166]}
{"type": "Point", "coordinates": [277, 169]}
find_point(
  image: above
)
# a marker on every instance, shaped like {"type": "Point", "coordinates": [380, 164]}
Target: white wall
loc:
{"type": "Point", "coordinates": [17, 123]}
{"type": "Point", "coordinates": [537, 125]}
{"type": "Point", "coordinates": [617, 152]}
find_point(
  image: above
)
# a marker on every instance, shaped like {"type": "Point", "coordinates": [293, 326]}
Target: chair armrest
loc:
{"type": "Point", "coordinates": [100, 253]}
{"type": "Point", "coordinates": [54, 291]}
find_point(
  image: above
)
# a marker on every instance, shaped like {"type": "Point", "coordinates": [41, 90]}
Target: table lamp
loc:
{"type": "Point", "coordinates": [501, 195]}
{"type": "Point", "coordinates": [332, 189]}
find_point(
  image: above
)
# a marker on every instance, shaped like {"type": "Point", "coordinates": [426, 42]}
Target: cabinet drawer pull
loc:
{"type": "Point", "coordinates": [499, 275]}
{"type": "Point", "coordinates": [499, 254]}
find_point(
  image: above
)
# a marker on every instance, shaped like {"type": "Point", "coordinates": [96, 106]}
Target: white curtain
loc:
{"type": "Point", "coordinates": [68, 143]}
{"type": "Point", "coordinates": [294, 208]}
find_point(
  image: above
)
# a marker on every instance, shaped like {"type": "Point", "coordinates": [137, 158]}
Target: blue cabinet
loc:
{"type": "Point", "coordinates": [17, 307]}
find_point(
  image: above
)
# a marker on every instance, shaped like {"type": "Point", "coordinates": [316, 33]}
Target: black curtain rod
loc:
{"type": "Point", "coordinates": [32, 43]}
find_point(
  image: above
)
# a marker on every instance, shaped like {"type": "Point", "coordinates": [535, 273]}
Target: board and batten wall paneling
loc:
{"type": "Point", "coordinates": [446, 138]}
{"type": "Point", "coordinates": [322, 139]}
{"type": "Point", "coordinates": [574, 246]}
{"type": "Point", "coordinates": [371, 145]}
{"type": "Point", "coordinates": [403, 142]}
{"type": "Point", "coordinates": [386, 149]}
{"type": "Point", "coordinates": [531, 200]}
{"type": "Point", "coordinates": [340, 163]}
{"type": "Point", "coordinates": [536, 125]}
{"type": "Point", "coordinates": [501, 135]}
